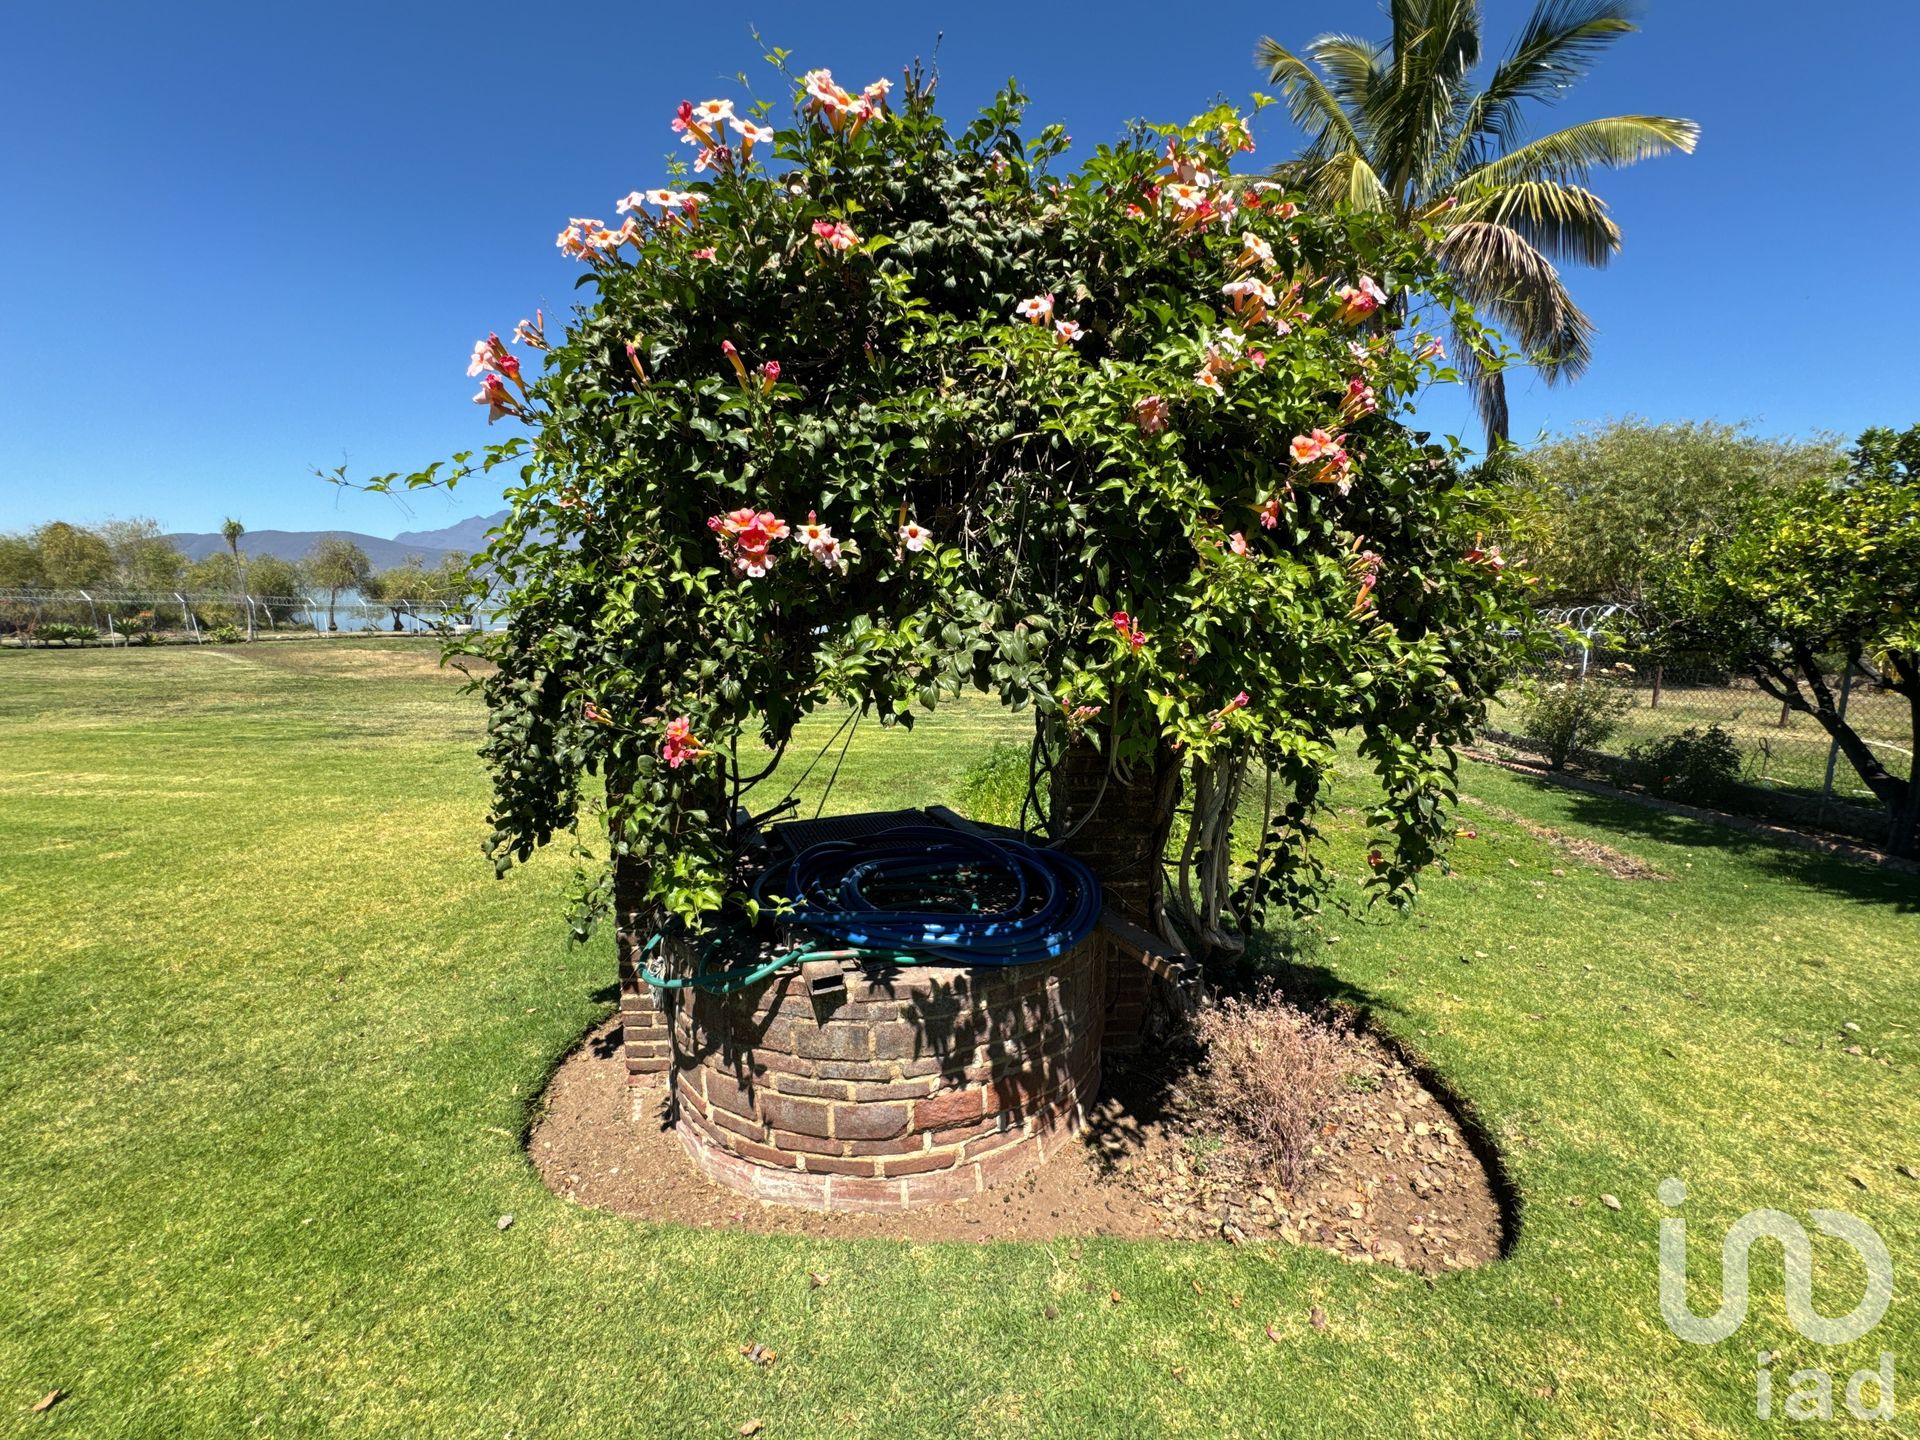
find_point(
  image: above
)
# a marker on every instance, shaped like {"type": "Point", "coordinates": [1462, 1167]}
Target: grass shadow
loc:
{"type": "Point", "coordinates": [1778, 859]}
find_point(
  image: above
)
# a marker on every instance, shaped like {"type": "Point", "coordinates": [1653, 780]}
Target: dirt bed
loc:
{"type": "Point", "coordinates": [1392, 1180]}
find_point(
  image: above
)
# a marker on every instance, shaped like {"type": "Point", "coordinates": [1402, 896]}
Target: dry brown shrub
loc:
{"type": "Point", "coordinates": [1269, 1076]}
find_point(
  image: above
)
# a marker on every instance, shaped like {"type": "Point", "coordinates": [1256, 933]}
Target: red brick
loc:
{"type": "Point", "coordinates": [834, 1042]}
{"type": "Point", "coordinates": [1018, 1092]}
{"type": "Point", "coordinates": [728, 1094]}
{"type": "Point", "coordinates": [752, 1129]}
{"type": "Point", "coordinates": [954, 1134]}
{"type": "Point", "coordinates": [919, 1164]}
{"type": "Point", "coordinates": [852, 1121]}
{"type": "Point", "coordinates": [898, 1040]}
{"type": "Point", "coordinates": [694, 1123]}
{"type": "Point", "coordinates": [895, 1089]}
{"type": "Point", "coordinates": [790, 1187]}
{"type": "Point", "coordinates": [912, 1141]}
{"type": "Point", "coordinates": [834, 1165]}
{"type": "Point", "coordinates": [952, 1066]}
{"type": "Point", "coordinates": [763, 1154]}
{"type": "Point", "coordinates": [988, 1144]}
{"type": "Point", "coordinates": [812, 1144]}
{"type": "Point", "coordinates": [858, 1192]}
{"type": "Point", "coordinates": [808, 1117]}
{"type": "Point", "coordinates": [953, 1108]}
{"type": "Point", "coordinates": [856, 1070]}
{"type": "Point", "coordinates": [779, 1063]}
{"type": "Point", "coordinates": [816, 1089]}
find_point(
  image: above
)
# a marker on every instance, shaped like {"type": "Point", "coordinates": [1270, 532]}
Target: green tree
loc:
{"type": "Point", "coordinates": [908, 412]}
{"type": "Point", "coordinates": [334, 564]}
{"type": "Point", "coordinates": [1829, 570]}
{"type": "Point", "coordinates": [1401, 126]}
{"type": "Point", "coordinates": [450, 582]}
{"type": "Point", "coordinates": [270, 579]}
{"type": "Point", "coordinates": [20, 564]}
{"type": "Point", "coordinates": [143, 558]}
{"type": "Point", "coordinates": [1600, 512]}
{"type": "Point", "coordinates": [402, 588]}
{"type": "Point", "coordinates": [72, 557]}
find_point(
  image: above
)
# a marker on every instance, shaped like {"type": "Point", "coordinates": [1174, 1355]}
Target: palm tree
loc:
{"type": "Point", "coordinates": [231, 530]}
{"type": "Point", "coordinates": [1400, 126]}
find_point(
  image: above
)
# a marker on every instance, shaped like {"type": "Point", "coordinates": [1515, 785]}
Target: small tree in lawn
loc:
{"type": "Point", "coordinates": [400, 588]}
{"type": "Point", "coordinates": [873, 413]}
{"type": "Point", "coordinates": [335, 564]}
{"type": "Point", "coordinates": [1829, 571]}
{"type": "Point", "coordinates": [230, 531]}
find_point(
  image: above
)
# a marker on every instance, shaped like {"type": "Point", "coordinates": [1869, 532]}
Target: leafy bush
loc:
{"type": "Point", "coordinates": [1269, 1075]}
{"type": "Point", "coordinates": [994, 788]}
{"type": "Point", "coordinates": [1694, 765]}
{"type": "Point", "coordinates": [225, 635]}
{"type": "Point", "coordinates": [59, 634]}
{"type": "Point", "coordinates": [1575, 712]}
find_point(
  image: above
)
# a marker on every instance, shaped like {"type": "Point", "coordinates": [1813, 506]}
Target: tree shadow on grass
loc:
{"type": "Point", "coordinates": [1778, 859]}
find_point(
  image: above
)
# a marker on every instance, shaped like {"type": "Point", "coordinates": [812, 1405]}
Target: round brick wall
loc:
{"type": "Point", "coordinates": [916, 1085]}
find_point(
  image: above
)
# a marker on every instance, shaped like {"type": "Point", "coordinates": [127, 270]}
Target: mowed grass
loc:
{"type": "Point", "coordinates": [270, 1031]}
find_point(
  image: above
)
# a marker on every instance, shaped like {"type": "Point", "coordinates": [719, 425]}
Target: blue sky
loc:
{"type": "Point", "coordinates": [240, 241]}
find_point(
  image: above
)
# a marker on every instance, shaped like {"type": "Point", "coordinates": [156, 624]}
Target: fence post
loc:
{"type": "Point", "coordinates": [1659, 673]}
{"type": "Point", "coordinates": [1833, 745]}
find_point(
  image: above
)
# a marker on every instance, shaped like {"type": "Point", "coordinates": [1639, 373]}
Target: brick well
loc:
{"type": "Point", "coordinates": [915, 1085]}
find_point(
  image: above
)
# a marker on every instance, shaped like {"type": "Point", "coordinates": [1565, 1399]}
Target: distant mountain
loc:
{"type": "Point", "coordinates": [466, 536]}
{"type": "Point", "coordinates": [429, 546]}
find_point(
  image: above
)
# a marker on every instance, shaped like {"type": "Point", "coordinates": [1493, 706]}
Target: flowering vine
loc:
{"type": "Point", "coordinates": [1127, 444]}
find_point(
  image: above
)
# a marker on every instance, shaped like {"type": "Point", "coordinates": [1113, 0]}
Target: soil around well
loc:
{"type": "Point", "coordinates": [1393, 1179]}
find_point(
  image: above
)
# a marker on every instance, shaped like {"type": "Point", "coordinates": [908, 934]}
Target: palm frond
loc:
{"type": "Point", "coordinates": [1555, 48]}
{"type": "Point", "coordinates": [1564, 222]}
{"type": "Point", "coordinates": [1313, 107]}
{"type": "Point", "coordinates": [1437, 44]}
{"type": "Point", "coordinates": [1485, 383]}
{"type": "Point", "coordinates": [1506, 278]}
{"type": "Point", "coordinates": [1353, 68]}
{"type": "Point", "coordinates": [1348, 179]}
{"type": "Point", "coordinates": [1568, 156]}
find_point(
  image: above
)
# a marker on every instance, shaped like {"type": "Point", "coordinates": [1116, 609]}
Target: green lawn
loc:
{"type": "Point", "coordinates": [269, 1031]}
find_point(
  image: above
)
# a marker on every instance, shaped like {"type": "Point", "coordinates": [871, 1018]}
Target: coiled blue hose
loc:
{"type": "Point", "coordinates": [919, 888]}
{"type": "Point", "coordinates": [931, 880]}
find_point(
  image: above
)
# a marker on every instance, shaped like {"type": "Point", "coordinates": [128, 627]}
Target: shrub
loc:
{"type": "Point", "coordinates": [1694, 765]}
{"type": "Point", "coordinates": [1577, 712]}
{"type": "Point", "coordinates": [137, 628]}
{"type": "Point", "coordinates": [1269, 1075]}
{"type": "Point", "coordinates": [994, 788]}
{"type": "Point", "coordinates": [225, 634]}
{"type": "Point", "coordinates": [59, 634]}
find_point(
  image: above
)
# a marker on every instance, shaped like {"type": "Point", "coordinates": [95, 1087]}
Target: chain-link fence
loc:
{"type": "Point", "coordinates": [135, 617]}
{"type": "Point", "coordinates": [1623, 714]}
